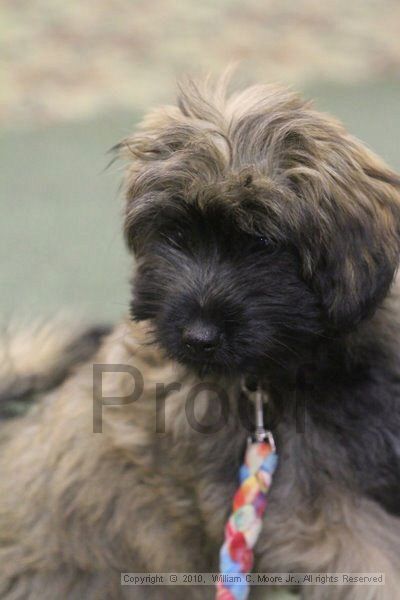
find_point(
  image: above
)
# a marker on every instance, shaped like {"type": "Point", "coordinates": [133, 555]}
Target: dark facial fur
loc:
{"type": "Point", "coordinates": [198, 271]}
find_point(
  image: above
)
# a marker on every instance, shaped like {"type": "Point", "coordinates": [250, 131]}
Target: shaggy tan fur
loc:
{"type": "Point", "coordinates": [37, 356]}
{"type": "Point", "coordinates": [50, 340]}
{"type": "Point", "coordinates": [132, 500]}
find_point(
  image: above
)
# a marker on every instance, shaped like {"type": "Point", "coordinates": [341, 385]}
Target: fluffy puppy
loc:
{"type": "Point", "coordinates": [266, 241]}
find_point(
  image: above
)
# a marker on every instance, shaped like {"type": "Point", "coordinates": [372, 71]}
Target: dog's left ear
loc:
{"type": "Point", "coordinates": [352, 237]}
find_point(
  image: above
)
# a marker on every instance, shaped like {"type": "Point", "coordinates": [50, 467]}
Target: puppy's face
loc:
{"type": "Point", "coordinates": [257, 224]}
{"type": "Point", "coordinates": [220, 299]}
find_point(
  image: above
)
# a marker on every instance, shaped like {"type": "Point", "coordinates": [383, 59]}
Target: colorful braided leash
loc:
{"type": "Point", "coordinates": [249, 504]}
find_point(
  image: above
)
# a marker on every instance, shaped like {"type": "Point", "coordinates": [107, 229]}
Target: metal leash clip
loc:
{"type": "Point", "coordinates": [259, 398]}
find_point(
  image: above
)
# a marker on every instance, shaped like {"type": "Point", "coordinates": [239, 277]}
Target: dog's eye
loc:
{"type": "Point", "coordinates": [261, 243]}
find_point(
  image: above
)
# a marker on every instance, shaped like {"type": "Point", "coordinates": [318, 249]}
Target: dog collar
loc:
{"type": "Point", "coordinates": [249, 503]}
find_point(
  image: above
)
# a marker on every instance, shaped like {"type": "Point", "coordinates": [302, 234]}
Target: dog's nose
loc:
{"type": "Point", "coordinates": [201, 337]}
